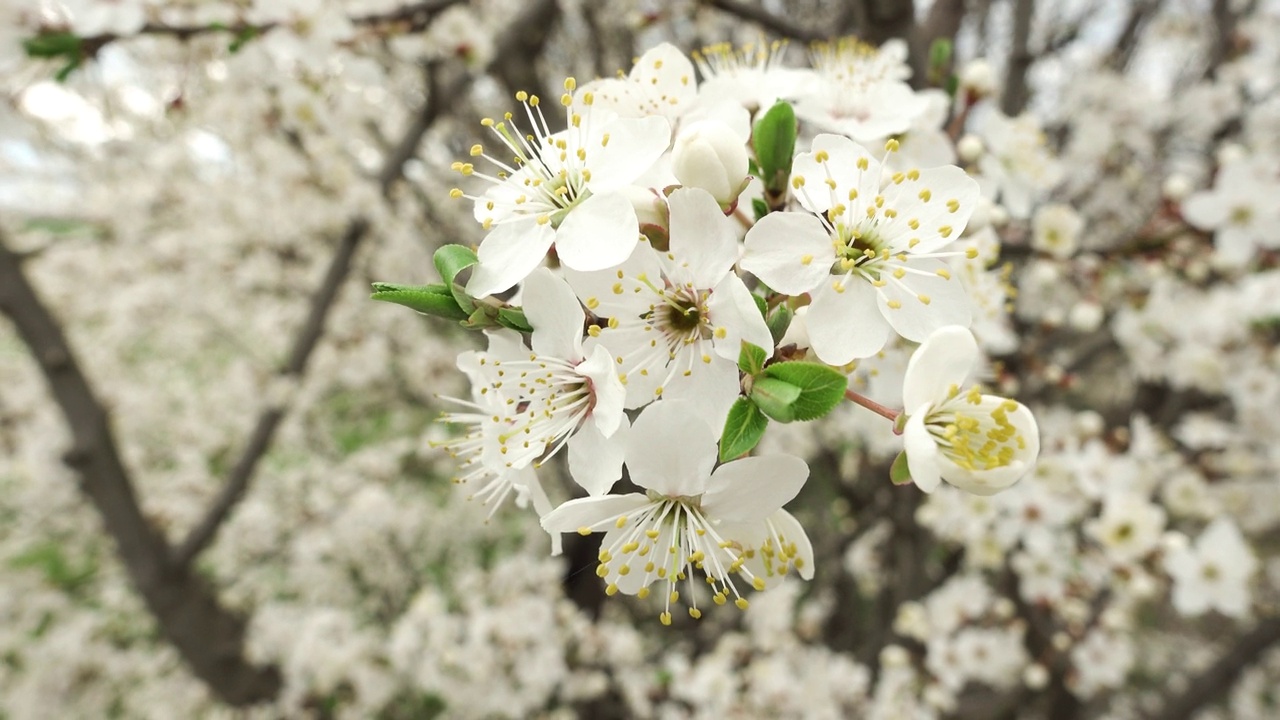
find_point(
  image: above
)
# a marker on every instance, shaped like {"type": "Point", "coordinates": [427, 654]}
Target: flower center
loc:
{"type": "Point", "coordinates": [973, 430]}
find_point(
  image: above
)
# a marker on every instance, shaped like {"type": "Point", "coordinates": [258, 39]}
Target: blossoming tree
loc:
{"type": "Point", "coordinates": [940, 352]}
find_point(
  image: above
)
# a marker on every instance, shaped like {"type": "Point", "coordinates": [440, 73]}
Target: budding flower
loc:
{"type": "Point", "coordinates": [978, 78]}
{"type": "Point", "coordinates": [710, 155]}
{"type": "Point", "coordinates": [980, 443]}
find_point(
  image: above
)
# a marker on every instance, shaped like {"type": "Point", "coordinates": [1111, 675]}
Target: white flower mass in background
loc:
{"type": "Point", "coordinates": [960, 407]}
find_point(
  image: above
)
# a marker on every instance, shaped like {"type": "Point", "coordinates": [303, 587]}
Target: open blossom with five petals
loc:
{"type": "Point", "coordinates": [979, 443]}
{"type": "Point", "coordinates": [691, 517]}
{"type": "Point", "coordinates": [490, 483]}
{"type": "Point", "coordinates": [858, 90]}
{"type": "Point", "coordinates": [674, 320]}
{"type": "Point", "coordinates": [564, 189]}
{"type": "Point", "coordinates": [1215, 573]}
{"type": "Point", "coordinates": [869, 249]}
{"type": "Point", "coordinates": [557, 395]}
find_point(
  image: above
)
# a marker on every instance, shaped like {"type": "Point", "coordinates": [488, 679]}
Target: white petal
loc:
{"type": "Point", "coordinates": [599, 233]}
{"type": "Point", "coordinates": [1206, 210]}
{"type": "Point", "coordinates": [669, 77]}
{"type": "Point", "coordinates": [528, 478]}
{"type": "Point", "coordinates": [703, 240]}
{"type": "Point", "coordinates": [611, 293]}
{"type": "Point", "coordinates": [944, 359]}
{"type": "Point", "coordinates": [732, 308]}
{"type": "Point", "coordinates": [841, 166]}
{"type": "Point", "coordinates": [845, 326]}
{"type": "Point", "coordinates": [555, 315]}
{"type": "Point", "coordinates": [909, 314]}
{"type": "Point", "coordinates": [671, 449]}
{"type": "Point", "coordinates": [932, 217]}
{"type": "Point", "coordinates": [778, 246]}
{"type": "Point", "coordinates": [793, 532]}
{"type": "Point", "coordinates": [710, 389]}
{"type": "Point", "coordinates": [507, 255]}
{"type": "Point", "coordinates": [753, 488]}
{"type": "Point", "coordinates": [634, 145]}
{"type": "Point", "coordinates": [610, 395]}
{"type": "Point", "coordinates": [590, 512]}
{"type": "Point", "coordinates": [922, 452]}
{"type": "Point", "coordinates": [595, 461]}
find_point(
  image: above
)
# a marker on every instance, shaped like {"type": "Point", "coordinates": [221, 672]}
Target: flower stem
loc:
{"type": "Point", "coordinates": [871, 405]}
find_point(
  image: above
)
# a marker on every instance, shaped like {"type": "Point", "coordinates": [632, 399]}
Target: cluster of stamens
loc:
{"type": "Point", "coordinates": [547, 169]}
{"type": "Point", "coordinates": [860, 247]}
{"type": "Point", "coordinates": [723, 59]}
{"type": "Point", "coordinates": [666, 541]}
{"type": "Point", "coordinates": [548, 402]}
{"type": "Point", "coordinates": [973, 430]}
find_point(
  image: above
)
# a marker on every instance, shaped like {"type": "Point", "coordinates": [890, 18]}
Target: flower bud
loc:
{"type": "Point", "coordinates": [709, 155]}
{"type": "Point", "coordinates": [1176, 187]}
{"type": "Point", "coordinates": [970, 148]}
{"type": "Point", "coordinates": [978, 78]}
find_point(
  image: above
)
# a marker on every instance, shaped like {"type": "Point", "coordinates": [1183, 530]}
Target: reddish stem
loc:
{"type": "Point", "coordinates": [871, 405]}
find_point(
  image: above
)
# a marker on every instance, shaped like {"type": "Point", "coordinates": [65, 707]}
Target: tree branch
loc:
{"type": "Point", "coordinates": [205, 531]}
{"type": "Point", "coordinates": [1214, 682]}
{"type": "Point", "coordinates": [777, 25]}
{"type": "Point", "coordinates": [1014, 97]}
{"type": "Point", "coordinates": [407, 18]}
{"type": "Point", "coordinates": [209, 637]}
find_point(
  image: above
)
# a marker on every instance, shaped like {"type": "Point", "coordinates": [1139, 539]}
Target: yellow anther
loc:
{"type": "Point", "coordinates": [892, 145]}
{"type": "Point", "coordinates": [665, 617]}
{"type": "Point", "coordinates": [611, 589]}
{"type": "Point", "coordinates": [695, 613]}
{"type": "Point", "coordinates": [642, 593]}
{"type": "Point", "coordinates": [925, 195]}
{"type": "Point", "coordinates": [804, 259]}
{"type": "Point", "coordinates": [758, 583]}
{"type": "Point", "coordinates": [945, 231]}
{"type": "Point", "coordinates": [741, 603]}
{"type": "Point", "coordinates": [924, 299]}
{"type": "Point", "coordinates": [584, 531]}
{"type": "Point", "coordinates": [570, 84]}
{"type": "Point", "coordinates": [863, 164]}
{"type": "Point", "coordinates": [821, 156]}
{"type": "Point", "coordinates": [455, 193]}
{"type": "Point", "coordinates": [894, 304]}
{"type": "Point", "coordinates": [621, 522]}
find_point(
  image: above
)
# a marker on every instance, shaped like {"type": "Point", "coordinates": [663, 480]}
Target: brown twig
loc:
{"type": "Point", "coordinates": [777, 25]}
{"type": "Point", "coordinates": [408, 18]}
{"type": "Point", "coordinates": [206, 530]}
{"type": "Point", "coordinates": [1014, 96]}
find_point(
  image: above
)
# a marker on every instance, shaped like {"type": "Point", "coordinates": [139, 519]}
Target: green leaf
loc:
{"type": "Point", "coordinates": [751, 358]}
{"type": "Point", "coordinates": [453, 259]}
{"type": "Point", "coordinates": [776, 398]}
{"type": "Point", "coordinates": [427, 299]}
{"type": "Point", "coordinates": [822, 387]}
{"type": "Point", "coordinates": [939, 54]}
{"type": "Point", "coordinates": [742, 429]}
{"type": "Point", "coordinates": [242, 38]}
{"type": "Point", "coordinates": [759, 207]}
{"type": "Point", "coordinates": [514, 318]}
{"type": "Point", "coordinates": [778, 322]}
{"type": "Point", "coordinates": [65, 72]}
{"type": "Point", "coordinates": [899, 473]}
{"type": "Point", "coordinates": [774, 140]}
{"type": "Point", "coordinates": [51, 45]}
{"type": "Point", "coordinates": [761, 305]}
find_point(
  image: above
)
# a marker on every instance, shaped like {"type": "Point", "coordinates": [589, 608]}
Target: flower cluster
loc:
{"type": "Point", "coordinates": [660, 326]}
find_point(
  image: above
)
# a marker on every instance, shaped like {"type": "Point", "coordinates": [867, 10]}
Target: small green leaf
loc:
{"type": "Point", "coordinates": [751, 358]}
{"type": "Point", "coordinates": [776, 398]}
{"type": "Point", "coordinates": [53, 44]}
{"type": "Point", "coordinates": [761, 305]}
{"type": "Point", "coordinates": [899, 473]}
{"type": "Point", "coordinates": [427, 299]}
{"type": "Point", "coordinates": [939, 54]}
{"type": "Point", "coordinates": [779, 321]}
{"type": "Point", "coordinates": [759, 207]}
{"type": "Point", "coordinates": [453, 259]}
{"type": "Point", "coordinates": [742, 429]}
{"type": "Point", "coordinates": [774, 140]}
{"type": "Point", "coordinates": [514, 318]}
{"type": "Point", "coordinates": [242, 38]}
{"type": "Point", "coordinates": [822, 387]}
{"type": "Point", "coordinates": [483, 317]}
{"type": "Point", "coordinates": [65, 72]}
